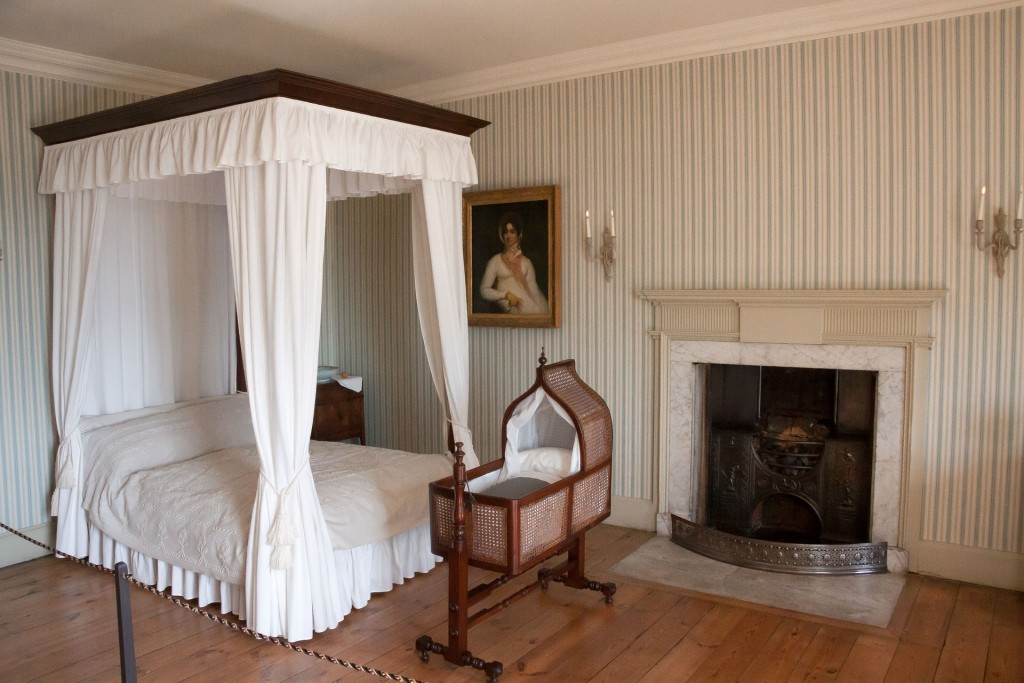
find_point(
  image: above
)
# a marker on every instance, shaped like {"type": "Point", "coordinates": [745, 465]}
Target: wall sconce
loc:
{"type": "Point", "coordinates": [1000, 242]}
{"type": "Point", "coordinates": [607, 252]}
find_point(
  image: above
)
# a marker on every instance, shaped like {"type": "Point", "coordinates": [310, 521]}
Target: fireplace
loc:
{"type": "Point", "coordinates": [789, 452]}
{"type": "Point", "coordinates": [884, 334]}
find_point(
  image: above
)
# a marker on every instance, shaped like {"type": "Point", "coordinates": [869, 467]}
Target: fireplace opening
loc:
{"type": "Point", "coordinates": [782, 517]}
{"type": "Point", "coordinates": [789, 454]}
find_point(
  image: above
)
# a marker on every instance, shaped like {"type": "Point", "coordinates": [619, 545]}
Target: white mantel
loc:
{"type": "Point", "coordinates": [886, 331]}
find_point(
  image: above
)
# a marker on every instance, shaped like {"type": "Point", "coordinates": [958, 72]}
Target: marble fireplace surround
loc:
{"type": "Point", "coordinates": [886, 331]}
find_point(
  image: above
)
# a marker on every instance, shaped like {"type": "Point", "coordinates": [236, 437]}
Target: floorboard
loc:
{"type": "Point", "coordinates": [648, 647]}
{"type": "Point", "coordinates": [777, 659]}
{"type": "Point", "coordinates": [58, 624]}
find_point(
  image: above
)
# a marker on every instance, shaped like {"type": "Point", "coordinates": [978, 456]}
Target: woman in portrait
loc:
{"type": "Point", "coordinates": [509, 280]}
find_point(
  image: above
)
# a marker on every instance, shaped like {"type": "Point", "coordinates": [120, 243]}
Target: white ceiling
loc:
{"type": "Point", "coordinates": [396, 45]}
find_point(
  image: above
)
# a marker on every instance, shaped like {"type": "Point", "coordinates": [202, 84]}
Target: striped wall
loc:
{"type": "Point", "coordinates": [26, 232]}
{"type": "Point", "coordinates": [370, 326]}
{"type": "Point", "coordinates": [851, 161]}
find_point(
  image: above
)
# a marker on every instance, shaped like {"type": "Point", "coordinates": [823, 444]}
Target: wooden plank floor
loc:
{"type": "Point", "coordinates": [58, 623]}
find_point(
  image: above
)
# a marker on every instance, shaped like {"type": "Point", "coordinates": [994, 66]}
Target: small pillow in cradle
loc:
{"type": "Point", "coordinates": [546, 460]}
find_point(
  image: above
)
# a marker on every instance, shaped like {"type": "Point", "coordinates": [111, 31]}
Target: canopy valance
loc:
{"type": "Point", "coordinates": [271, 130]}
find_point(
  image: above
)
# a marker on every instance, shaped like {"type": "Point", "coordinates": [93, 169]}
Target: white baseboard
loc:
{"type": "Point", "coordinates": [14, 550]}
{"type": "Point", "coordinates": [633, 513]}
{"type": "Point", "coordinates": [972, 565]}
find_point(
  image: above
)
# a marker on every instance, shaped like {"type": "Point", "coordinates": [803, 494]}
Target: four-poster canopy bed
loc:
{"type": "Point", "coordinates": [245, 167]}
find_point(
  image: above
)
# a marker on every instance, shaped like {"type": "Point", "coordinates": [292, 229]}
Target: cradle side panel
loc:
{"type": "Point", "coordinates": [543, 525]}
{"type": "Point", "coordinates": [490, 534]}
{"type": "Point", "coordinates": [488, 539]}
{"type": "Point", "coordinates": [591, 500]}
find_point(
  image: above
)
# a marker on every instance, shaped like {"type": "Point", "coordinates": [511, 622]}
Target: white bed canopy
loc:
{"type": "Point", "coordinates": [273, 162]}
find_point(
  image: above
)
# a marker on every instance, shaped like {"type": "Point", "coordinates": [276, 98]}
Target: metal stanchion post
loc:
{"type": "Point", "coordinates": [125, 638]}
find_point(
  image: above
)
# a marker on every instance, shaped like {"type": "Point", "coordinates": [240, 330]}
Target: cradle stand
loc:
{"type": "Point", "coordinates": [510, 533]}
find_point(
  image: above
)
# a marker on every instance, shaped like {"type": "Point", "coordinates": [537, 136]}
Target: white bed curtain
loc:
{"type": "Point", "coordinates": [441, 300]}
{"type": "Point", "coordinates": [165, 306]}
{"type": "Point", "coordinates": [78, 233]}
{"type": "Point", "coordinates": [276, 215]}
{"type": "Point", "coordinates": [275, 153]}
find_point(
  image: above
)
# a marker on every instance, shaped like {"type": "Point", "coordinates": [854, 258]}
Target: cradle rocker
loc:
{"type": "Point", "coordinates": [552, 484]}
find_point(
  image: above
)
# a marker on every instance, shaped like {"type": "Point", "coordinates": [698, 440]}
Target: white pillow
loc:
{"type": "Point", "coordinates": [546, 460]}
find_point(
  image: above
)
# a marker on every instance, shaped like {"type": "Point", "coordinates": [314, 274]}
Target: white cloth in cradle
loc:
{"type": "Point", "coordinates": [541, 444]}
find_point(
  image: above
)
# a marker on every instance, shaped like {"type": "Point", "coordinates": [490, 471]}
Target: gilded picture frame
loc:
{"type": "Point", "coordinates": [512, 256]}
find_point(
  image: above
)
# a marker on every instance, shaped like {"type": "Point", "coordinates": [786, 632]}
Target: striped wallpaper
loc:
{"type": "Point", "coordinates": [851, 161]}
{"type": "Point", "coordinates": [27, 433]}
{"type": "Point", "coordinates": [370, 325]}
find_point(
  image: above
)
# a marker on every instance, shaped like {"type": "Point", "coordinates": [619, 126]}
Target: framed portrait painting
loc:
{"type": "Point", "coordinates": [512, 256]}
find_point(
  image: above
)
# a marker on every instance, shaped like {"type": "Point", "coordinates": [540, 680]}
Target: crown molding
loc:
{"type": "Point", "coordinates": [106, 73]}
{"type": "Point", "coordinates": [839, 18]}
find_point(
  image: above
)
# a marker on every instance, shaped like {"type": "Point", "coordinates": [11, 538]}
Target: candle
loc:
{"type": "Point", "coordinates": [1020, 203]}
{"type": "Point", "coordinates": [613, 224]}
{"type": "Point", "coordinates": [588, 224]}
{"type": "Point", "coordinates": [981, 205]}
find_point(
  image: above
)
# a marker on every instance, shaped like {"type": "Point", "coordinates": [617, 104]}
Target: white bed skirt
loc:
{"type": "Point", "coordinates": [372, 568]}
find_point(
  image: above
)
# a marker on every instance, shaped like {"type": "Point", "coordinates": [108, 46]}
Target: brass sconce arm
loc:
{"type": "Point", "coordinates": [1000, 242]}
{"type": "Point", "coordinates": [606, 254]}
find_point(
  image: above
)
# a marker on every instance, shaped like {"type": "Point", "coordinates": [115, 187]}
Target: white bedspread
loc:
{"type": "Point", "coordinates": [148, 488]}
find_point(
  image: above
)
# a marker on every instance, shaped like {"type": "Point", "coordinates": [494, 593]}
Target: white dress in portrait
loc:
{"type": "Point", "coordinates": [513, 274]}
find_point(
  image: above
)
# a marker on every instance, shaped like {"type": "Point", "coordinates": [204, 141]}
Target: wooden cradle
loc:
{"type": "Point", "coordinates": [511, 533]}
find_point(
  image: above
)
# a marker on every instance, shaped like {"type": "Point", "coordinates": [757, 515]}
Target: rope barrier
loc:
{"type": "Point", "coordinates": [221, 620]}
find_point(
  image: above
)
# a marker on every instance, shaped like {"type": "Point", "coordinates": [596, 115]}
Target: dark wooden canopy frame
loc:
{"type": "Point", "coordinates": [273, 83]}
{"type": "Point", "coordinates": [481, 530]}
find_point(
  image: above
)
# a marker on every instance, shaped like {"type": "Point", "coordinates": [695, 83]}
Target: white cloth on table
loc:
{"type": "Point", "coordinates": [351, 382]}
